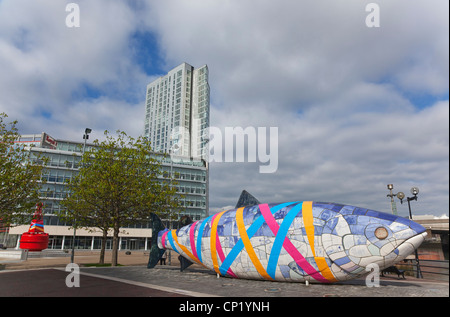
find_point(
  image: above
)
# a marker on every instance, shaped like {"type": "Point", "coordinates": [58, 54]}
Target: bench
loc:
{"type": "Point", "coordinates": [394, 269]}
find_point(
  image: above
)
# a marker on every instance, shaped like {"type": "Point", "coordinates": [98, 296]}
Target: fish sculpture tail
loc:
{"type": "Point", "coordinates": [155, 252]}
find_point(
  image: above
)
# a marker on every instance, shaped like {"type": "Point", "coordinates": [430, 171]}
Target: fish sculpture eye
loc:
{"type": "Point", "coordinates": [381, 233]}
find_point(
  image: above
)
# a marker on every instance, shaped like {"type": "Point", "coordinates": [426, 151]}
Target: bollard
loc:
{"type": "Point", "coordinates": [24, 255]}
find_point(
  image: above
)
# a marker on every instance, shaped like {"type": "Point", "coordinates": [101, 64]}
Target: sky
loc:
{"type": "Point", "coordinates": [355, 107]}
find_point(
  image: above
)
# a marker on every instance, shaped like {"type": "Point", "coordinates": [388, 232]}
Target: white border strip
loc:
{"type": "Point", "coordinates": [147, 285]}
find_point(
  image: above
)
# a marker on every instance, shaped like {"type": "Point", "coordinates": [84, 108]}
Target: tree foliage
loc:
{"type": "Point", "coordinates": [119, 184]}
{"type": "Point", "coordinates": [19, 187]}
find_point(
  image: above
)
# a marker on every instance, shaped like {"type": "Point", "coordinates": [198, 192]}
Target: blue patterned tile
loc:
{"type": "Point", "coordinates": [364, 220]}
{"type": "Point", "coordinates": [323, 205]}
{"type": "Point", "coordinates": [326, 214]}
{"type": "Point", "coordinates": [342, 261]}
{"type": "Point", "coordinates": [359, 211]}
{"type": "Point", "coordinates": [381, 215]}
{"type": "Point", "coordinates": [331, 224]}
{"type": "Point", "coordinates": [318, 230]}
{"type": "Point", "coordinates": [347, 210]}
{"type": "Point", "coordinates": [357, 229]}
{"type": "Point", "coordinates": [337, 207]}
{"type": "Point", "coordinates": [351, 219]}
{"type": "Point", "coordinates": [264, 230]}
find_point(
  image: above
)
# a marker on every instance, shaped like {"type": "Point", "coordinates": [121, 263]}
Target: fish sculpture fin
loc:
{"type": "Point", "coordinates": [184, 263]}
{"type": "Point", "coordinates": [246, 199]}
{"type": "Point", "coordinates": [155, 252]}
{"type": "Point", "coordinates": [184, 221]}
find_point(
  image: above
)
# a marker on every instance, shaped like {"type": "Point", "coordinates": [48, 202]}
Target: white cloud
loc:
{"type": "Point", "coordinates": [292, 53]}
{"type": "Point", "coordinates": [339, 92]}
{"type": "Point", "coordinates": [47, 67]}
{"type": "Point", "coordinates": [356, 107]}
{"type": "Point", "coordinates": [349, 160]}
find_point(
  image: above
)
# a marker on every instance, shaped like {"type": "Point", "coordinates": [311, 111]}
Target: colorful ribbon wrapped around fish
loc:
{"type": "Point", "coordinates": [292, 242]}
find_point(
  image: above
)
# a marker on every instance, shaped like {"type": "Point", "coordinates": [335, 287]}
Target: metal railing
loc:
{"type": "Point", "coordinates": [429, 269]}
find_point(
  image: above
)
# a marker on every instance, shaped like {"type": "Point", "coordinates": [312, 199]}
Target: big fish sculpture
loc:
{"type": "Point", "coordinates": [292, 242]}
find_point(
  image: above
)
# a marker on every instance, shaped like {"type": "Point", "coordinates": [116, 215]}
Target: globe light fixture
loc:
{"type": "Point", "coordinates": [391, 194]}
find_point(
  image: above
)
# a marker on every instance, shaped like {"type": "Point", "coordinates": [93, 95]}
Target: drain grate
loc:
{"type": "Point", "coordinates": [272, 290]}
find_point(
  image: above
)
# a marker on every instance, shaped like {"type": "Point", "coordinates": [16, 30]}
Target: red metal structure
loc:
{"type": "Point", "coordinates": [35, 239]}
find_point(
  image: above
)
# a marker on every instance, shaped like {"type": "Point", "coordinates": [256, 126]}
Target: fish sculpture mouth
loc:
{"type": "Point", "coordinates": [409, 245]}
{"type": "Point", "coordinates": [382, 244]}
{"type": "Point", "coordinates": [395, 255]}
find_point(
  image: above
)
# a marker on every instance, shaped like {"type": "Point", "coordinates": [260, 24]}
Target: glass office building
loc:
{"type": "Point", "coordinates": [63, 162]}
{"type": "Point", "coordinates": [176, 122]}
{"type": "Point", "coordinates": [177, 112]}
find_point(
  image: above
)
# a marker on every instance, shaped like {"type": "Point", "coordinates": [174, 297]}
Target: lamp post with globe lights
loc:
{"type": "Point", "coordinates": [414, 191]}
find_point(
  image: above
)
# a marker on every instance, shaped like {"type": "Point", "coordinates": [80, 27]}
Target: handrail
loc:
{"type": "Point", "coordinates": [412, 266]}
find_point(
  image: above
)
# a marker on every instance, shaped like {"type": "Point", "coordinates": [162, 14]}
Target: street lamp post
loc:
{"type": "Point", "coordinates": [393, 205]}
{"type": "Point", "coordinates": [401, 196]}
{"type": "Point", "coordinates": [72, 256]}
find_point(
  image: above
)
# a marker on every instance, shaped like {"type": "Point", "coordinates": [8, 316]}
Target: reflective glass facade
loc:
{"type": "Point", "coordinates": [63, 163]}
{"type": "Point", "coordinates": [177, 112]}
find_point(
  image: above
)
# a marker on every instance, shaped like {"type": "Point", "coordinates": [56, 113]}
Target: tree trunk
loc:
{"type": "Point", "coordinates": [115, 249]}
{"type": "Point", "coordinates": [102, 251]}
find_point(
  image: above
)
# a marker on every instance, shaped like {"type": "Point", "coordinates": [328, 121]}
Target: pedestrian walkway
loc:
{"type": "Point", "coordinates": [205, 281]}
{"type": "Point", "coordinates": [52, 283]}
{"type": "Point", "coordinates": [134, 279]}
{"type": "Point", "coordinates": [82, 257]}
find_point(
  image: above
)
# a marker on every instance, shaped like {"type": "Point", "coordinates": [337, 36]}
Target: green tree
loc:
{"type": "Point", "coordinates": [119, 183]}
{"type": "Point", "coordinates": [19, 186]}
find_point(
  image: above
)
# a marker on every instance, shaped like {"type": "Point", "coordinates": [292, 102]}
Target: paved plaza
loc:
{"type": "Point", "coordinates": [206, 283]}
{"type": "Point", "coordinates": [26, 278]}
